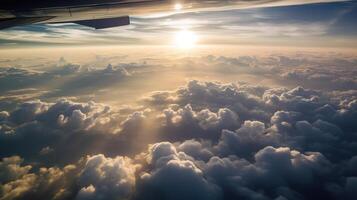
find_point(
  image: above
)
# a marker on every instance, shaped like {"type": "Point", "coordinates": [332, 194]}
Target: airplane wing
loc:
{"type": "Point", "coordinates": [93, 23]}
{"type": "Point", "coordinates": [20, 21]}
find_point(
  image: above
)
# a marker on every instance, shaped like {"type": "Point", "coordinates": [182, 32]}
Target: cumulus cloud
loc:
{"type": "Point", "coordinates": [49, 183]}
{"type": "Point", "coordinates": [200, 124]}
{"type": "Point", "coordinates": [274, 170]}
{"type": "Point", "coordinates": [214, 96]}
{"type": "Point", "coordinates": [200, 150]}
{"type": "Point", "coordinates": [62, 114]}
{"type": "Point", "coordinates": [37, 125]}
{"type": "Point", "coordinates": [248, 139]}
{"type": "Point", "coordinates": [206, 140]}
{"type": "Point", "coordinates": [172, 170]}
{"type": "Point", "coordinates": [107, 178]}
{"type": "Point", "coordinates": [11, 168]}
{"type": "Point", "coordinates": [303, 119]}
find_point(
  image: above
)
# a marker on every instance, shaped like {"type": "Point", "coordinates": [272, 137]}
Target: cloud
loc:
{"type": "Point", "coordinates": [18, 188]}
{"type": "Point", "coordinates": [200, 150]}
{"type": "Point", "coordinates": [49, 183]}
{"type": "Point", "coordinates": [313, 75]}
{"type": "Point", "coordinates": [203, 140]}
{"type": "Point", "coordinates": [172, 170]}
{"type": "Point", "coordinates": [62, 114]}
{"type": "Point", "coordinates": [215, 96]}
{"type": "Point", "coordinates": [301, 118]}
{"type": "Point", "coordinates": [11, 168]}
{"type": "Point", "coordinates": [107, 178]}
{"type": "Point", "coordinates": [200, 121]}
{"type": "Point", "coordinates": [18, 77]}
{"type": "Point", "coordinates": [60, 79]}
{"type": "Point", "coordinates": [4, 115]}
{"type": "Point", "coordinates": [273, 170]}
{"type": "Point", "coordinates": [37, 125]}
{"type": "Point", "coordinates": [249, 138]}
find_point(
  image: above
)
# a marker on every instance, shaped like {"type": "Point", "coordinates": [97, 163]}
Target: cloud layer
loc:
{"type": "Point", "coordinates": [294, 138]}
{"type": "Point", "coordinates": [226, 141]}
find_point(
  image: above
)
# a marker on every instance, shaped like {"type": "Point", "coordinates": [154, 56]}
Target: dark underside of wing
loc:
{"type": "Point", "coordinates": [105, 23]}
{"type": "Point", "coordinates": [94, 23]}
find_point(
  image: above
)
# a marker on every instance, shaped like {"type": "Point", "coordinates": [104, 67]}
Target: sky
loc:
{"type": "Point", "coordinates": [256, 104]}
{"type": "Point", "coordinates": [321, 24]}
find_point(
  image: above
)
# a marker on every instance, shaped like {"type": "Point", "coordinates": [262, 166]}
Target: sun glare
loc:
{"type": "Point", "coordinates": [178, 6]}
{"type": "Point", "coordinates": [185, 39]}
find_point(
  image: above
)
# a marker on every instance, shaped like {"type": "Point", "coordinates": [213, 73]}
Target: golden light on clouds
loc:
{"type": "Point", "coordinates": [185, 39]}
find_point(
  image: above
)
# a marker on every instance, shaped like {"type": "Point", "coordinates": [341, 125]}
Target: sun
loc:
{"type": "Point", "coordinates": [185, 39]}
{"type": "Point", "coordinates": [178, 7]}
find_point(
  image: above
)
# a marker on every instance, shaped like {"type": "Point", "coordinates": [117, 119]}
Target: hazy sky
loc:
{"type": "Point", "coordinates": [322, 24]}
